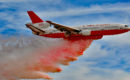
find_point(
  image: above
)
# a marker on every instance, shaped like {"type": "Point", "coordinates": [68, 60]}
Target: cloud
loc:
{"type": "Point", "coordinates": [12, 0]}
{"type": "Point", "coordinates": [46, 1]}
{"type": "Point", "coordinates": [123, 39]}
{"type": "Point", "coordinates": [82, 71]}
{"type": "Point", "coordinates": [94, 9]}
{"type": "Point", "coordinates": [95, 51]}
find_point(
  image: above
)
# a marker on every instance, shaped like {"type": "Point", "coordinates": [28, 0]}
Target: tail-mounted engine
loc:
{"type": "Point", "coordinates": [42, 25]}
{"type": "Point", "coordinates": [85, 32]}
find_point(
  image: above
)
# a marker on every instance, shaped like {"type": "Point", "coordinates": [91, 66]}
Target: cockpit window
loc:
{"type": "Point", "coordinates": [126, 25]}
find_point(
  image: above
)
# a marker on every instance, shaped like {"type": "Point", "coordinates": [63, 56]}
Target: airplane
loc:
{"type": "Point", "coordinates": [94, 32]}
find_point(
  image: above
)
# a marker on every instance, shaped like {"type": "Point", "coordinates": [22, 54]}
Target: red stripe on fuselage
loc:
{"type": "Point", "coordinates": [94, 34]}
{"type": "Point", "coordinates": [62, 35]}
{"type": "Point", "coordinates": [109, 32]}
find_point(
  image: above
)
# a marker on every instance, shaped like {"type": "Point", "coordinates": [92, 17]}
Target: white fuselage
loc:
{"type": "Point", "coordinates": [96, 27]}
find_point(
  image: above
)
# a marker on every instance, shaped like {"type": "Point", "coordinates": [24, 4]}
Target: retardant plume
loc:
{"type": "Point", "coordinates": [34, 57]}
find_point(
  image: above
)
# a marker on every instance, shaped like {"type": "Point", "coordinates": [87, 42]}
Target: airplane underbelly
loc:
{"type": "Point", "coordinates": [108, 32]}
{"type": "Point", "coordinates": [54, 35]}
{"type": "Point", "coordinates": [94, 34]}
{"type": "Point", "coordinates": [72, 37]}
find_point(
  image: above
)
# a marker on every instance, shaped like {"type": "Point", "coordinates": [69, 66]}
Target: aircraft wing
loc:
{"type": "Point", "coordinates": [68, 31]}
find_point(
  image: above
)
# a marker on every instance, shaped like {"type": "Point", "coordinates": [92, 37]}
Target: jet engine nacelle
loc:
{"type": "Point", "coordinates": [85, 32]}
{"type": "Point", "coordinates": [42, 25]}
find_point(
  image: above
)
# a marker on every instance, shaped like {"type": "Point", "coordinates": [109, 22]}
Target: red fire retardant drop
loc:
{"type": "Point", "coordinates": [39, 57]}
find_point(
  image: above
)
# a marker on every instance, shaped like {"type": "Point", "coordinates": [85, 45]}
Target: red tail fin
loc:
{"type": "Point", "coordinates": [34, 17]}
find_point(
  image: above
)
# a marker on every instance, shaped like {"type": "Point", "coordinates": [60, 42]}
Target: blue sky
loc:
{"type": "Point", "coordinates": [106, 59]}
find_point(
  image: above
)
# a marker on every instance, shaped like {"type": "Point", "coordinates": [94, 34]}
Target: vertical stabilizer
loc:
{"type": "Point", "coordinates": [34, 17]}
